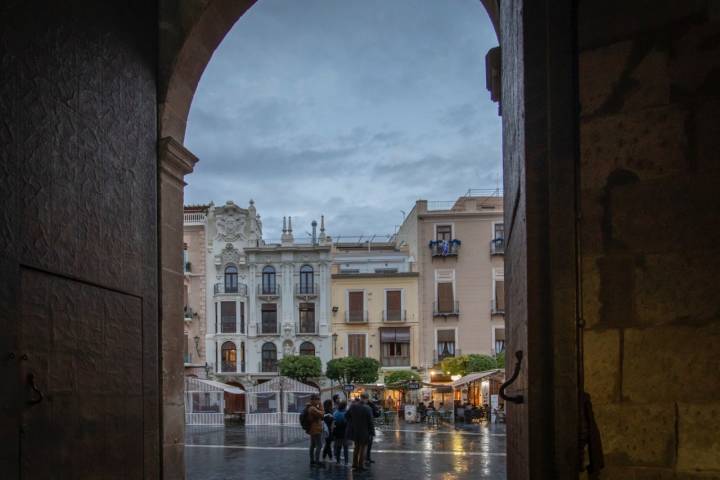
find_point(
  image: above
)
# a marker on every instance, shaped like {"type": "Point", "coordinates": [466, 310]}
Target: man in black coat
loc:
{"type": "Point", "coordinates": [359, 426]}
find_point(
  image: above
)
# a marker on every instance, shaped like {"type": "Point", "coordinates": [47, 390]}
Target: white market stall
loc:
{"type": "Point", "coordinates": [277, 402]}
{"type": "Point", "coordinates": [205, 401]}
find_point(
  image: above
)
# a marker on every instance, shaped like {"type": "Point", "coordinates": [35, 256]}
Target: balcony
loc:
{"type": "Point", "coordinates": [394, 315]}
{"type": "Point", "coordinates": [268, 329]}
{"type": "Point", "coordinates": [239, 290]}
{"type": "Point", "coordinates": [395, 361]}
{"type": "Point", "coordinates": [306, 291]}
{"type": "Point", "coordinates": [497, 308]}
{"type": "Point", "coordinates": [444, 248]}
{"type": "Point", "coordinates": [188, 267]}
{"type": "Point", "coordinates": [188, 314]}
{"type": "Point", "coordinates": [306, 328]}
{"type": "Point", "coordinates": [497, 246]}
{"type": "Point", "coordinates": [452, 310]}
{"type": "Point", "coordinates": [356, 316]}
{"type": "Point", "coordinates": [268, 292]}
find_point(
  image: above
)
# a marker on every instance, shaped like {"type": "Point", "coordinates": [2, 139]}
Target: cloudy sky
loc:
{"type": "Point", "coordinates": [351, 109]}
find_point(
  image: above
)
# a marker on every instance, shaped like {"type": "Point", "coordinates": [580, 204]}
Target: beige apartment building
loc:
{"type": "Point", "coordinates": [194, 294]}
{"type": "Point", "coordinates": [375, 304]}
{"type": "Point", "coordinates": [458, 247]}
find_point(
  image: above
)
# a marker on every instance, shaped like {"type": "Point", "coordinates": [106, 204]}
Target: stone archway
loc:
{"type": "Point", "coordinates": [539, 130]}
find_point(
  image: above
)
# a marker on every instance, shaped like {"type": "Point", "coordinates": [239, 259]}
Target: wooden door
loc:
{"type": "Point", "coordinates": [539, 110]}
{"type": "Point", "coordinates": [78, 240]}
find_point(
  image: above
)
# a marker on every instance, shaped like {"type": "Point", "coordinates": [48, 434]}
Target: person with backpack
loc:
{"type": "Point", "coordinates": [327, 428]}
{"type": "Point", "coordinates": [311, 421]}
{"type": "Point", "coordinates": [339, 432]}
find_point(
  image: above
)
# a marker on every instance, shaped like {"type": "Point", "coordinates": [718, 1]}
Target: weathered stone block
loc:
{"type": "Point", "coordinates": [677, 289]}
{"type": "Point", "coordinates": [666, 215]}
{"type": "Point", "coordinates": [706, 138]}
{"type": "Point", "coordinates": [671, 363]}
{"type": "Point", "coordinates": [591, 291]}
{"type": "Point", "coordinates": [602, 365]}
{"type": "Point", "coordinates": [651, 143]}
{"type": "Point", "coordinates": [638, 435]}
{"type": "Point", "coordinates": [623, 76]}
{"type": "Point", "coordinates": [696, 60]}
{"type": "Point", "coordinates": [699, 442]}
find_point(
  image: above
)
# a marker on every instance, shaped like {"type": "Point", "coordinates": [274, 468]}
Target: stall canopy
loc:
{"type": "Point", "coordinates": [474, 377]}
{"type": "Point", "coordinates": [278, 401]}
{"type": "Point", "coordinates": [227, 388]}
{"type": "Point", "coordinates": [204, 402]}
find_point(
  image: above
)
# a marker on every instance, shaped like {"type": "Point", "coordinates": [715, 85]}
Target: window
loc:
{"type": "Point", "coordinates": [268, 281]}
{"type": "Point", "coordinates": [229, 357]}
{"type": "Point", "coordinates": [395, 347]}
{"type": "Point", "coordinates": [445, 297]}
{"type": "Point", "coordinates": [231, 279]}
{"type": "Point", "coordinates": [186, 258]}
{"type": "Point", "coordinates": [499, 232]}
{"type": "Point", "coordinates": [307, 348]}
{"type": "Point", "coordinates": [228, 317]}
{"type": "Point", "coordinates": [445, 344]}
{"type": "Point", "coordinates": [269, 357]}
{"type": "Point", "coordinates": [269, 318]}
{"type": "Point", "coordinates": [356, 306]}
{"type": "Point", "coordinates": [499, 295]}
{"type": "Point", "coordinates": [356, 345]}
{"type": "Point", "coordinates": [242, 317]}
{"type": "Point", "coordinates": [499, 340]}
{"type": "Point", "coordinates": [393, 305]}
{"type": "Point", "coordinates": [186, 352]}
{"type": "Point", "coordinates": [443, 232]}
{"type": "Point", "coordinates": [306, 280]}
{"type": "Point", "coordinates": [307, 318]}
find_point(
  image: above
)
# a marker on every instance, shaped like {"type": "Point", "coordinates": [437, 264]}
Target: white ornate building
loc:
{"type": "Point", "coordinates": [263, 301]}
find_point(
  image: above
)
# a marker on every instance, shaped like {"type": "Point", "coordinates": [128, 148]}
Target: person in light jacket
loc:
{"type": "Point", "coordinates": [315, 419]}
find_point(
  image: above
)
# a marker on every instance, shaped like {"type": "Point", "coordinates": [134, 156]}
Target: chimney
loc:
{"type": "Point", "coordinates": [314, 232]}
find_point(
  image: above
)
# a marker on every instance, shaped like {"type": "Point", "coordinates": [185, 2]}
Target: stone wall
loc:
{"type": "Point", "coordinates": [649, 77]}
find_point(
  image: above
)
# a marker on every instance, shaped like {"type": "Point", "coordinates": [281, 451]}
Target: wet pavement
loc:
{"type": "Point", "coordinates": [401, 451]}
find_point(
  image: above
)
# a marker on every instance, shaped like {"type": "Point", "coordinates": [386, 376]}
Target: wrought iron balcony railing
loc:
{"type": "Point", "coordinates": [395, 361]}
{"type": "Point", "coordinates": [445, 248]}
{"type": "Point", "coordinates": [360, 316]}
{"type": "Point", "coordinates": [223, 289]}
{"type": "Point", "coordinates": [306, 289]}
{"type": "Point", "coordinates": [497, 308]}
{"type": "Point", "coordinates": [268, 290]}
{"type": "Point", "coordinates": [306, 328]}
{"type": "Point", "coordinates": [394, 315]}
{"type": "Point", "coordinates": [497, 246]}
{"type": "Point", "coordinates": [446, 310]}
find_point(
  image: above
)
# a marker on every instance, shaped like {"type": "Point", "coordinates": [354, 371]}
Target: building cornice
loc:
{"type": "Point", "coordinates": [375, 275]}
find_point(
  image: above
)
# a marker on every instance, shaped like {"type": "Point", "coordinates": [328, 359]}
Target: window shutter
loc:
{"type": "Point", "coordinates": [500, 294]}
{"type": "Point", "coordinates": [446, 336]}
{"type": "Point", "coordinates": [355, 300]}
{"type": "Point", "coordinates": [445, 297]}
{"type": "Point", "coordinates": [356, 346]}
{"type": "Point", "coordinates": [394, 301]}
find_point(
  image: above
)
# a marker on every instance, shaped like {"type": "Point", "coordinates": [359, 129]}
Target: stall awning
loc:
{"type": "Point", "coordinates": [474, 377]}
{"type": "Point", "coordinates": [285, 384]}
{"type": "Point", "coordinates": [224, 386]}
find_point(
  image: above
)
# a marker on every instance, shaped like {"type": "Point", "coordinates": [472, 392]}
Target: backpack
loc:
{"type": "Point", "coordinates": [304, 419]}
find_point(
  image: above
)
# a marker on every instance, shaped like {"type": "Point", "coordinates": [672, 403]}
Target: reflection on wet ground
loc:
{"type": "Point", "coordinates": [402, 451]}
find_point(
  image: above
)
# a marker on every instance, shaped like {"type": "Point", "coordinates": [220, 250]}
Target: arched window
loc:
{"type": "Point", "coordinates": [231, 279]}
{"type": "Point", "coordinates": [229, 357]}
{"type": "Point", "coordinates": [269, 357]}
{"type": "Point", "coordinates": [306, 280]}
{"type": "Point", "coordinates": [307, 348]}
{"type": "Point", "coordinates": [268, 280]}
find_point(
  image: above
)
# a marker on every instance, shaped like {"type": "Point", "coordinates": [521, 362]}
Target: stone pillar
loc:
{"type": "Point", "coordinates": [324, 298]}
{"type": "Point", "coordinates": [175, 161]}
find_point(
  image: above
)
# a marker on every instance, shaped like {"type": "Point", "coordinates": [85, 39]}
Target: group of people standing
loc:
{"type": "Point", "coordinates": [338, 424]}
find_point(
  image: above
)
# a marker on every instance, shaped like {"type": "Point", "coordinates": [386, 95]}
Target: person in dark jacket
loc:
{"type": "Point", "coordinates": [359, 425]}
{"type": "Point", "coordinates": [375, 414]}
{"type": "Point", "coordinates": [339, 431]}
{"type": "Point", "coordinates": [327, 429]}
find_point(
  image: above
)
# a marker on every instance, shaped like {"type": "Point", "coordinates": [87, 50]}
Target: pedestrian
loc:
{"type": "Point", "coordinates": [327, 428]}
{"type": "Point", "coordinates": [375, 413]}
{"type": "Point", "coordinates": [314, 415]}
{"type": "Point", "coordinates": [359, 424]}
{"type": "Point", "coordinates": [336, 401]}
{"type": "Point", "coordinates": [339, 431]}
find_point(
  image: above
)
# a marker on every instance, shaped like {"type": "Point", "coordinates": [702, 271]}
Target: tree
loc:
{"type": "Point", "coordinates": [351, 370]}
{"type": "Point", "coordinates": [300, 367]}
{"type": "Point", "coordinates": [480, 363]}
{"type": "Point", "coordinates": [455, 365]}
{"type": "Point", "coordinates": [500, 360]}
{"type": "Point", "coordinates": [398, 380]}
